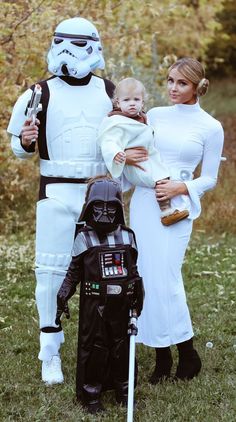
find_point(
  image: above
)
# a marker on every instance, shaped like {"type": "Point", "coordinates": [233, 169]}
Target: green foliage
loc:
{"type": "Point", "coordinates": [18, 195]}
{"type": "Point", "coordinates": [222, 51]}
{"type": "Point", "coordinates": [209, 273]}
{"type": "Point", "coordinates": [132, 33]}
{"type": "Point", "coordinates": [139, 38]}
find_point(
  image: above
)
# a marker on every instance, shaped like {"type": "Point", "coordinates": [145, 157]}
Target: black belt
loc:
{"type": "Point", "coordinates": [109, 288]}
{"type": "Point", "coordinates": [46, 180]}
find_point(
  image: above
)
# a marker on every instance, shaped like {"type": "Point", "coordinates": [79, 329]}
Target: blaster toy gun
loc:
{"type": "Point", "coordinates": [34, 105]}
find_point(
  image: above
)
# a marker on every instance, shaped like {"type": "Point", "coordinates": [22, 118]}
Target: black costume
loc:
{"type": "Point", "coordinates": [104, 261]}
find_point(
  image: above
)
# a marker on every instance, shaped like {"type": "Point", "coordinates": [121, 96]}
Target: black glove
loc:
{"type": "Point", "coordinates": [62, 307]}
{"type": "Point", "coordinates": [66, 291]}
{"type": "Point", "coordinates": [138, 297]}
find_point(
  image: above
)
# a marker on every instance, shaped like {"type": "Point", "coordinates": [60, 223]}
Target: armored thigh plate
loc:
{"type": "Point", "coordinates": [54, 241]}
{"type": "Point", "coordinates": [55, 228]}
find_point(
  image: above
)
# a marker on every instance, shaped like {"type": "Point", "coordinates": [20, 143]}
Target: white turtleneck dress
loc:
{"type": "Point", "coordinates": [185, 136]}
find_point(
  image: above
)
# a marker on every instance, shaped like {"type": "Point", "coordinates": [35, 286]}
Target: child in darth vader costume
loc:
{"type": "Point", "coordinates": [104, 262]}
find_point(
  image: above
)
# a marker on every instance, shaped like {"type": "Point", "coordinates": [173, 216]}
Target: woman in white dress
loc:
{"type": "Point", "coordinates": [185, 136]}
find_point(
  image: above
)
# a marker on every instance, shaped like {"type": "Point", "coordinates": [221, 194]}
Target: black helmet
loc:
{"type": "Point", "coordinates": [106, 190]}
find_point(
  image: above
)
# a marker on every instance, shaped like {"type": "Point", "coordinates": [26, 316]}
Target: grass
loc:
{"type": "Point", "coordinates": [209, 273]}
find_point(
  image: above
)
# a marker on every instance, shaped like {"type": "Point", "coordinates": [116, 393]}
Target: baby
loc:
{"type": "Point", "coordinates": [126, 127]}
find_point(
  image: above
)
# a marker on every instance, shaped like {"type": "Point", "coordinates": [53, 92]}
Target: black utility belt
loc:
{"type": "Point", "coordinates": [50, 179]}
{"type": "Point", "coordinates": [105, 288]}
{"type": "Point", "coordinates": [46, 180]}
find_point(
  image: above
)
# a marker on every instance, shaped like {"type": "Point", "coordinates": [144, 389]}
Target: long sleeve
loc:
{"type": "Point", "coordinates": [209, 171]}
{"type": "Point", "coordinates": [118, 133]}
{"type": "Point", "coordinates": [188, 136]}
{"type": "Point", "coordinates": [19, 150]}
{"type": "Point", "coordinates": [75, 270]}
{"type": "Point", "coordinates": [15, 126]}
{"type": "Point", "coordinates": [73, 275]}
{"type": "Point", "coordinates": [112, 140]}
{"type": "Point", "coordinates": [72, 278]}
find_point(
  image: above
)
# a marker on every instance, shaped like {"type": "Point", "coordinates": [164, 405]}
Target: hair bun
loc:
{"type": "Point", "coordinates": [202, 87]}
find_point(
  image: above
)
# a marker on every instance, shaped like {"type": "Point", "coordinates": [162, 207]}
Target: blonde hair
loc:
{"type": "Point", "coordinates": [192, 70]}
{"type": "Point", "coordinates": [129, 85]}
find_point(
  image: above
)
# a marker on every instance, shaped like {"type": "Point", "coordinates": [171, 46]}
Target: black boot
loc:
{"type": "Point", "coordinates": [91, 398]}
{"type": "Point", "coordinates": [189, 361]}
{"type": "Point", "coordinates": [163, 366]}
{"type": "Point", "coordinates": [121, 392]}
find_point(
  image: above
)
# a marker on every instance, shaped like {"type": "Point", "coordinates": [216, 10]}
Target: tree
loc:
{"type": "Point", "coordinates": [222, 51]}
{"type": "Point", "coordinates": [140, 38]}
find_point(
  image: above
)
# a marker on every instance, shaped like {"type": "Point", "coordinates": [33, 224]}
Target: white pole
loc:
{"type": "Point", "coordinates": [133, 328]}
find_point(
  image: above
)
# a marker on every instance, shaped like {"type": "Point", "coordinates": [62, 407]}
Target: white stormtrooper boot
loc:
{"type": "Point", "coordinates": [49, 354]}
{"type": "Point", "coordinates": [51, 371]}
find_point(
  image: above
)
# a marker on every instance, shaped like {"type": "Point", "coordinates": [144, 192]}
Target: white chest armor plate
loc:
{"type": "Point", "coordinates": [73, 116]}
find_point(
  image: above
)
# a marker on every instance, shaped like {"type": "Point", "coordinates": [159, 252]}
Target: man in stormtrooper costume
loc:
{"type": "Point", "coordinates": [74, 102]}
{"type": "Point", "coordinates": [104, 262]}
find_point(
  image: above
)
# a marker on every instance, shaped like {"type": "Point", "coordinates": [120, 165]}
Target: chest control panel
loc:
{"type": "Point", "coordinates": [113, 264]}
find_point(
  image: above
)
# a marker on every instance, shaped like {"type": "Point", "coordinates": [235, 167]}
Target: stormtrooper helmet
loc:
{"type": "Point", "coordinates": [76, 49]}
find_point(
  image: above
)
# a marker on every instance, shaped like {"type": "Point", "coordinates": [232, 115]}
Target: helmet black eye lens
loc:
{"type": "Point", "coordinates": [112, 207]}
{"type": "Point", "coordinates": [98, 205]}
{"type": "Point", "coordinates": [57, 40]}
{"type": "Point", "coordinates": [79, 43]}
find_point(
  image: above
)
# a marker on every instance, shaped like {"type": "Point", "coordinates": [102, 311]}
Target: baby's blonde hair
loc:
{"type": "Point", "coordinates": [129, 85]}
{"type": "Point", "coordinates": [192, 70]}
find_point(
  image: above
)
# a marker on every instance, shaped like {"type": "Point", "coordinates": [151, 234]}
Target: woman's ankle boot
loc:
{"type": "Point", "coordinates": [189, 361]}
{"type": "Point", "coordinates": [163, 366]}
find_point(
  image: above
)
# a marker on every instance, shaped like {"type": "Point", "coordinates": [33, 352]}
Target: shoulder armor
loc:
{"type": "Point", "coordinates": [131, 235]}
{"type": "Point", "coordinates": [109, 86]}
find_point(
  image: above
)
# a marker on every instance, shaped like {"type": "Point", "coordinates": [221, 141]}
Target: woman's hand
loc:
{"type": "Point", "coordinates": [29, 132]}
{"type": "Point", "coordinates": [134, 156]}
{"type": "Point", "coordinates": [120, 157]}
{"type": "Point", "coordinates": [167, 189]}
